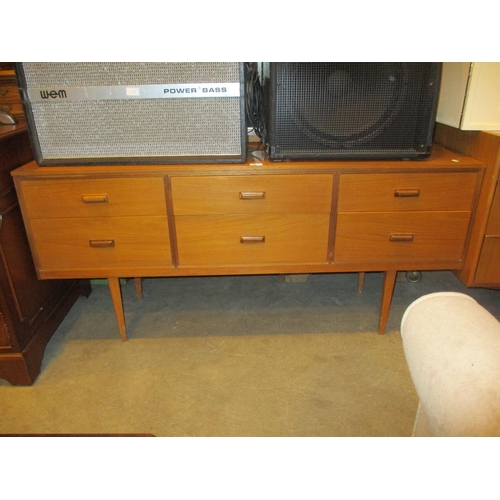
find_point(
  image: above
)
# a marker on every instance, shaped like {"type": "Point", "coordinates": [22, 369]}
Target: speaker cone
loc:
{"type": "Point", "coordinates": [344, 104]}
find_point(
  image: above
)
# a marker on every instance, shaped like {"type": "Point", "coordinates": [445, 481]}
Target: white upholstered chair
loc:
{"type": "Point", "coordinates": [452, 347]}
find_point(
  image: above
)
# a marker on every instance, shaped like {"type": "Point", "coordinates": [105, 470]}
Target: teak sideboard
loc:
{"type": "Point", "coordinates": [260, 217]}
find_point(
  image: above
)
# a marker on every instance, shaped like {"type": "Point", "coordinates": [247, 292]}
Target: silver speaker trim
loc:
{"type": "Point", "coordinates": [167, 91]}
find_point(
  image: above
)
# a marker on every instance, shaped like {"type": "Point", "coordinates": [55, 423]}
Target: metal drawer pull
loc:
{"type": "Point", "coordinates": [407, 193]}
{"type": "Point", "coordinates": [95, 198]}
{"type": "Point", "coordinates": [252, 239]}
{"type": "Point", "coordinates": [401, 237]}
{"type": "Point", "coordinates": [252, 195]}
{"type": "Point", "coordinates": [102, 243]}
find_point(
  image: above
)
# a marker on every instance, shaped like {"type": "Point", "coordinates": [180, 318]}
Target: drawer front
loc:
{"type": "Point", "coordinates": [493, 227]}
{"type": "Point", "coordinates": [259, 194]}
{"type": "Point", "coordinates": [251, 239]}
{"type": "Point", "coordinates": [406, 192]}
{"type": "Point", "coordinates": [400, 236]}
{"type": "Point", "coordinates": [94, 197]}
{"type": "Point", "coordinates": [101, 242]}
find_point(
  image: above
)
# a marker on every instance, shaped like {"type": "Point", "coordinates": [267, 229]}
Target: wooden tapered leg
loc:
{"type": "Point", "coordinates": [361, 281]}
{"type": "Point", "coordinates": [138, 287]}
{"type": "Point", "coordinates": [116, 296]}
{"type": "Point", "coordinates": [387, 291]}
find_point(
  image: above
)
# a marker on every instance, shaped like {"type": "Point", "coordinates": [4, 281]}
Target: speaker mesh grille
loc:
{"type": "Point", "coordinates": [138, 130]}
{"type": "Point", "coordinates": [90, 129]}
{"type": "Point", "coordinates": [39, 75]}
{"type": "Point", "coordinates": [342, 109]}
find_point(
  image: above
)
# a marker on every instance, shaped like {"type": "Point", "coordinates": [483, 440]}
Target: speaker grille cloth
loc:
{"type": "Point", "coordinates": [135, 128]}
{"type": "Point", "coordinates": [139, 128]}
{"type": "Point", "coordinates": [39, 75]}
{"type": "Point", "coordinates": [364, 107]}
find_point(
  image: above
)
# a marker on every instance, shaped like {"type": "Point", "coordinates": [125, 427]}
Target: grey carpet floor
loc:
{"type": "Point", "coordinates": [230, 356]}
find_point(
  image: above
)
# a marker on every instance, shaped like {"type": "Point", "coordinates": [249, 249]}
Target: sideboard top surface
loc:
{"type": "Point", "coordinates": [440, 159]}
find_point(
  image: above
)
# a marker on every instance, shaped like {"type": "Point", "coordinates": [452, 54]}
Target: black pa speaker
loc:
{"type": "Point", "coordinates": [350, 110]}
{"type": "Point", "coordinates": [122, 113]}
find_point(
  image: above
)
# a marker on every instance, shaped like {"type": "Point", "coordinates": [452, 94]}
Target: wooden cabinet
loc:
{"type": "Point", "coordinates": [469, 95]}
{"type": "Point", "coordinates": [488, 266]}
{"type": "Point", "coordinates": [30, 309]}
{"type": "Point", "coordinates": [482, 260]}
{"type": "Point", "coordinates": [10, 98]}
{"type": "Point", "coordinates": [260, 217]}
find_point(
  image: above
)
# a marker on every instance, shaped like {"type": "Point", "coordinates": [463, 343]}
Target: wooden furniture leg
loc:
{"type": "Point", "coordinates": [138, 287]}
{"type": "Point", "coordinates": [116, 296]}
{"type": "Point", "coordinates": [388, 289]}
{"type": "Point", "coordinates": [361, 281]}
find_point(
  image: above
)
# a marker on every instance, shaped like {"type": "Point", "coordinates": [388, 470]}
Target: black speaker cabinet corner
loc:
{"type": "Point", "coordinates": [327, 110]}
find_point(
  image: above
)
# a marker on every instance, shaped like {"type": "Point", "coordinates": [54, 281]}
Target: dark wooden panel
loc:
{"type": "Point", "coordinates": [30, 309]}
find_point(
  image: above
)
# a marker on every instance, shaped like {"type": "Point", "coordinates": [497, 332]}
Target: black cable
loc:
{"type": "Point", "coordinates": [254, 106]}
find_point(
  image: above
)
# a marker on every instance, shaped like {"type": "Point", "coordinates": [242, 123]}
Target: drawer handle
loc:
{"type": "Point", "coordinates": [102, 243]}
{"type": "Point", "coordinates": [95, 198]}
{"type": "Point", "coordinates": [407, 193]}
{"type": "Point", "coordinates": [252, 195]}
{"type": "Point", "coordinates": [401, 237]}
{"type": "Point", "coordinates": [252, 239]}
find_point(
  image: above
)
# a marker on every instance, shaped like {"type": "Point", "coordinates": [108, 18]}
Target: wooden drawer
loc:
{"type": "Point", "coordinates": [94, 197]}
{"type": "Point", "coordinates": [252, 239]}
{"type": "Point", "coordinates": [400, 236]}
{"type": "Point", "coordinates": [259, 194]}
{"type": "Point", "coordinates": [77, 243]}
{"type": "Point", "coordinates": [406, 192]}
{"type": "Point", "coordinates": [493, 227]}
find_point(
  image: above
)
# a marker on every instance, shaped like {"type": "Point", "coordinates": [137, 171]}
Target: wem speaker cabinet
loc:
{"type": "Point", "coordinates": [121, 112]}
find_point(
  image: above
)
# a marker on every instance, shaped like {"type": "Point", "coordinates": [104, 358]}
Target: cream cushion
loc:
{"type": "Point", "coordinates": [452, 347]}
